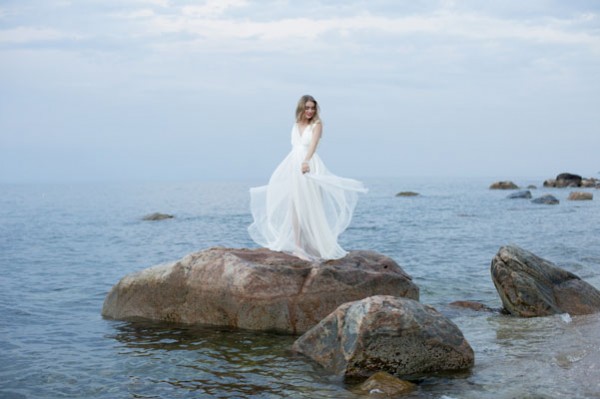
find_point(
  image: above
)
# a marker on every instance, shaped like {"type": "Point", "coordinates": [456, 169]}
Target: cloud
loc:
{"type": "Point", "coordinates": [212, 8]}
{"type": "Point", "coordinates": [209, 22]}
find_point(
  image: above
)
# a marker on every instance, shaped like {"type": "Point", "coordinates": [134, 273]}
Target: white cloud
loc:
{"type": "Point", "coordinates": [202, 21]}
{"type": "Point", "coordinates": [160, 3]}
{"type": "Point", "coordinates": [212, 8]}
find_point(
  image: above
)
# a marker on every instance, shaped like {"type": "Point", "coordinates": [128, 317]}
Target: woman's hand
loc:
{"type": "Point", "coordinates": [305, 167]}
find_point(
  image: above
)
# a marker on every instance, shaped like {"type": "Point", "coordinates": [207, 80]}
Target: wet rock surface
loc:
{"type": "Point", "coordinates": [530, 286]}
{"type": "Point", "coordinates": [383, 333]}
{"type": "Point", "coordinates": [255, 289]}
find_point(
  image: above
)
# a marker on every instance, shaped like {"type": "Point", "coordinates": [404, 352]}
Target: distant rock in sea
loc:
{"type": "Point", "coordinates": [526, 194]}
{"type": "Point", "coordinates": [503, 185]}
{"type": "Point", "coordinates": [255, 289]}
{"type": "Point", "coordinates": [407, 194]}
{"type": "Point", "coordinates": [547, 199]}
{"type": "Point", "coordinates": [157, 216]}
{"type": "Point", "coordinates": [530, 286]}
{"type": "Point", "coordinates": [572, 180]}
{"type": "Point", "coordinates": [580, 196]}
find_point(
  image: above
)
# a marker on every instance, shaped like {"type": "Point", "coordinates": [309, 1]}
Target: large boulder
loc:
{"type": "Point", "coordinates": [530, 286]}
{"type": "Point", "coordinates": [255, 289]}
{"type": "Point", "coordinates": [383, 333]}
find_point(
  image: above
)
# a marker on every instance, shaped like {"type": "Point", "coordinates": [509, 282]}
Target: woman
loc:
{"type": "Point", "coordinates": [304, 208]}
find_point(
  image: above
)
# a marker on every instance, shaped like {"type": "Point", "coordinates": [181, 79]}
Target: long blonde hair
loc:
{"type": "Point", "coordinates": [300, 108]}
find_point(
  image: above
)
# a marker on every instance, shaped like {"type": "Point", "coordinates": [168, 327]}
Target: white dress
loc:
{"type": "Point", "coordinates": [303, 214]}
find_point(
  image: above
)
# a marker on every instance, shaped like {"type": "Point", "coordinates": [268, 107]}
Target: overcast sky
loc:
{"type": "Point", "coordinates": [195, 90]}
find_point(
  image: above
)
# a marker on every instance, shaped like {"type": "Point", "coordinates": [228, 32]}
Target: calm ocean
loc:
{"type": "Point", "coordinates": [62, 247]}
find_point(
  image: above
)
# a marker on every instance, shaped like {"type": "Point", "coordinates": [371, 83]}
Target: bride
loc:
{"type": "Point", "coordinates": [304, 207]}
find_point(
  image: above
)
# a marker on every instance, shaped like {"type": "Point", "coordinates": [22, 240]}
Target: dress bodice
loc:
{"type": "Point", "coordinates": [302, 138]}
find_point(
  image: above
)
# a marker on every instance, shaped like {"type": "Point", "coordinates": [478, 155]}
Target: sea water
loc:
{"type": "Point", "coordinates": [63, 246]}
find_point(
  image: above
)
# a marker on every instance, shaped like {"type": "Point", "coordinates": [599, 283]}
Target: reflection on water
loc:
{"type": "Point", "coordinates": [220, 362]}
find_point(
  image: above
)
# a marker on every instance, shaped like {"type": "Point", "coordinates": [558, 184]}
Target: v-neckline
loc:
{"type": "Point", "coordinates": [301, 131]}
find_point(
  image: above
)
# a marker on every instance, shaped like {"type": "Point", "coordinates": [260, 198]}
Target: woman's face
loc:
{"type": "Point", "coordinates": [309, 110]}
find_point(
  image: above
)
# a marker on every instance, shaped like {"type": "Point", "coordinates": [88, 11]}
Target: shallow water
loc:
{"type": "Point", "coordinates": [62, 247]}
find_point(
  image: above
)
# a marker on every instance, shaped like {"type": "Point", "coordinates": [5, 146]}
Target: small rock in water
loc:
{"type": "Point", "coordinates": [503, 185]}
{"type": "Point", "coordinates": [157, 216]}
{"type": "Point", "coordinates": [407, 194]}
{"type": "Point", "coordinates": [382, 383]}
{"type": "Point", "coordinates": [476, 306]}
{"type": "Point", "coordinates": [580, 196]}
{"type": "Point", "coordinates": [547, 199]}
{"type": "Point", "coordinates": [526, 194]}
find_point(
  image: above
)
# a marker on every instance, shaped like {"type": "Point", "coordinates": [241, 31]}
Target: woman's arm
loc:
{"type": "Point", "coordinates": [316, 136]}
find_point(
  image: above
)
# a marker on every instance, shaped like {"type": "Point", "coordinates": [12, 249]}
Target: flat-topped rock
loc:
{"type": "Point", "coordinates": [531, 286]}
{"type": "Point", "coordinates": [580, 196]}
{"type": "Point", "coordinates": [407, 194]}
{"type": "Point", "coordinates": [255, 289]}
{"type": "Point", "coordinates": [157, 216]}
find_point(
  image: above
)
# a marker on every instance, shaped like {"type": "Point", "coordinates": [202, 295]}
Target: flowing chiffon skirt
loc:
{"type": "Point", "coordinates": [303, 214]}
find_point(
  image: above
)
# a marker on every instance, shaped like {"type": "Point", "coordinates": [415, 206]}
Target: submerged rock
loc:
{"type": "Point", "coordinates": [255, 289]}
{"type": "Point", "coordinates": [476, 306]}
{"type": "Point", "coordinates": [503, 185]}
{"type": "Point", "coordinates": [580, 196]}
{"type": "Point", "coordinates": [526, 194]}
{"type": "Point", "coordinates": [157, 216]}
{"type": "Point", "coordinates": [383, 333]}
{"type": "Point", "coordinates": [547, 199]}
{"type": "Point", "coordinates": [530, 286]}
{"type": "Point", "coordinates": [382, 384]}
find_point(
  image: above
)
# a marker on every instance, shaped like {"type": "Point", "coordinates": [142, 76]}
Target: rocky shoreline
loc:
{"type": "Point", "coordinates": [357, 316]}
